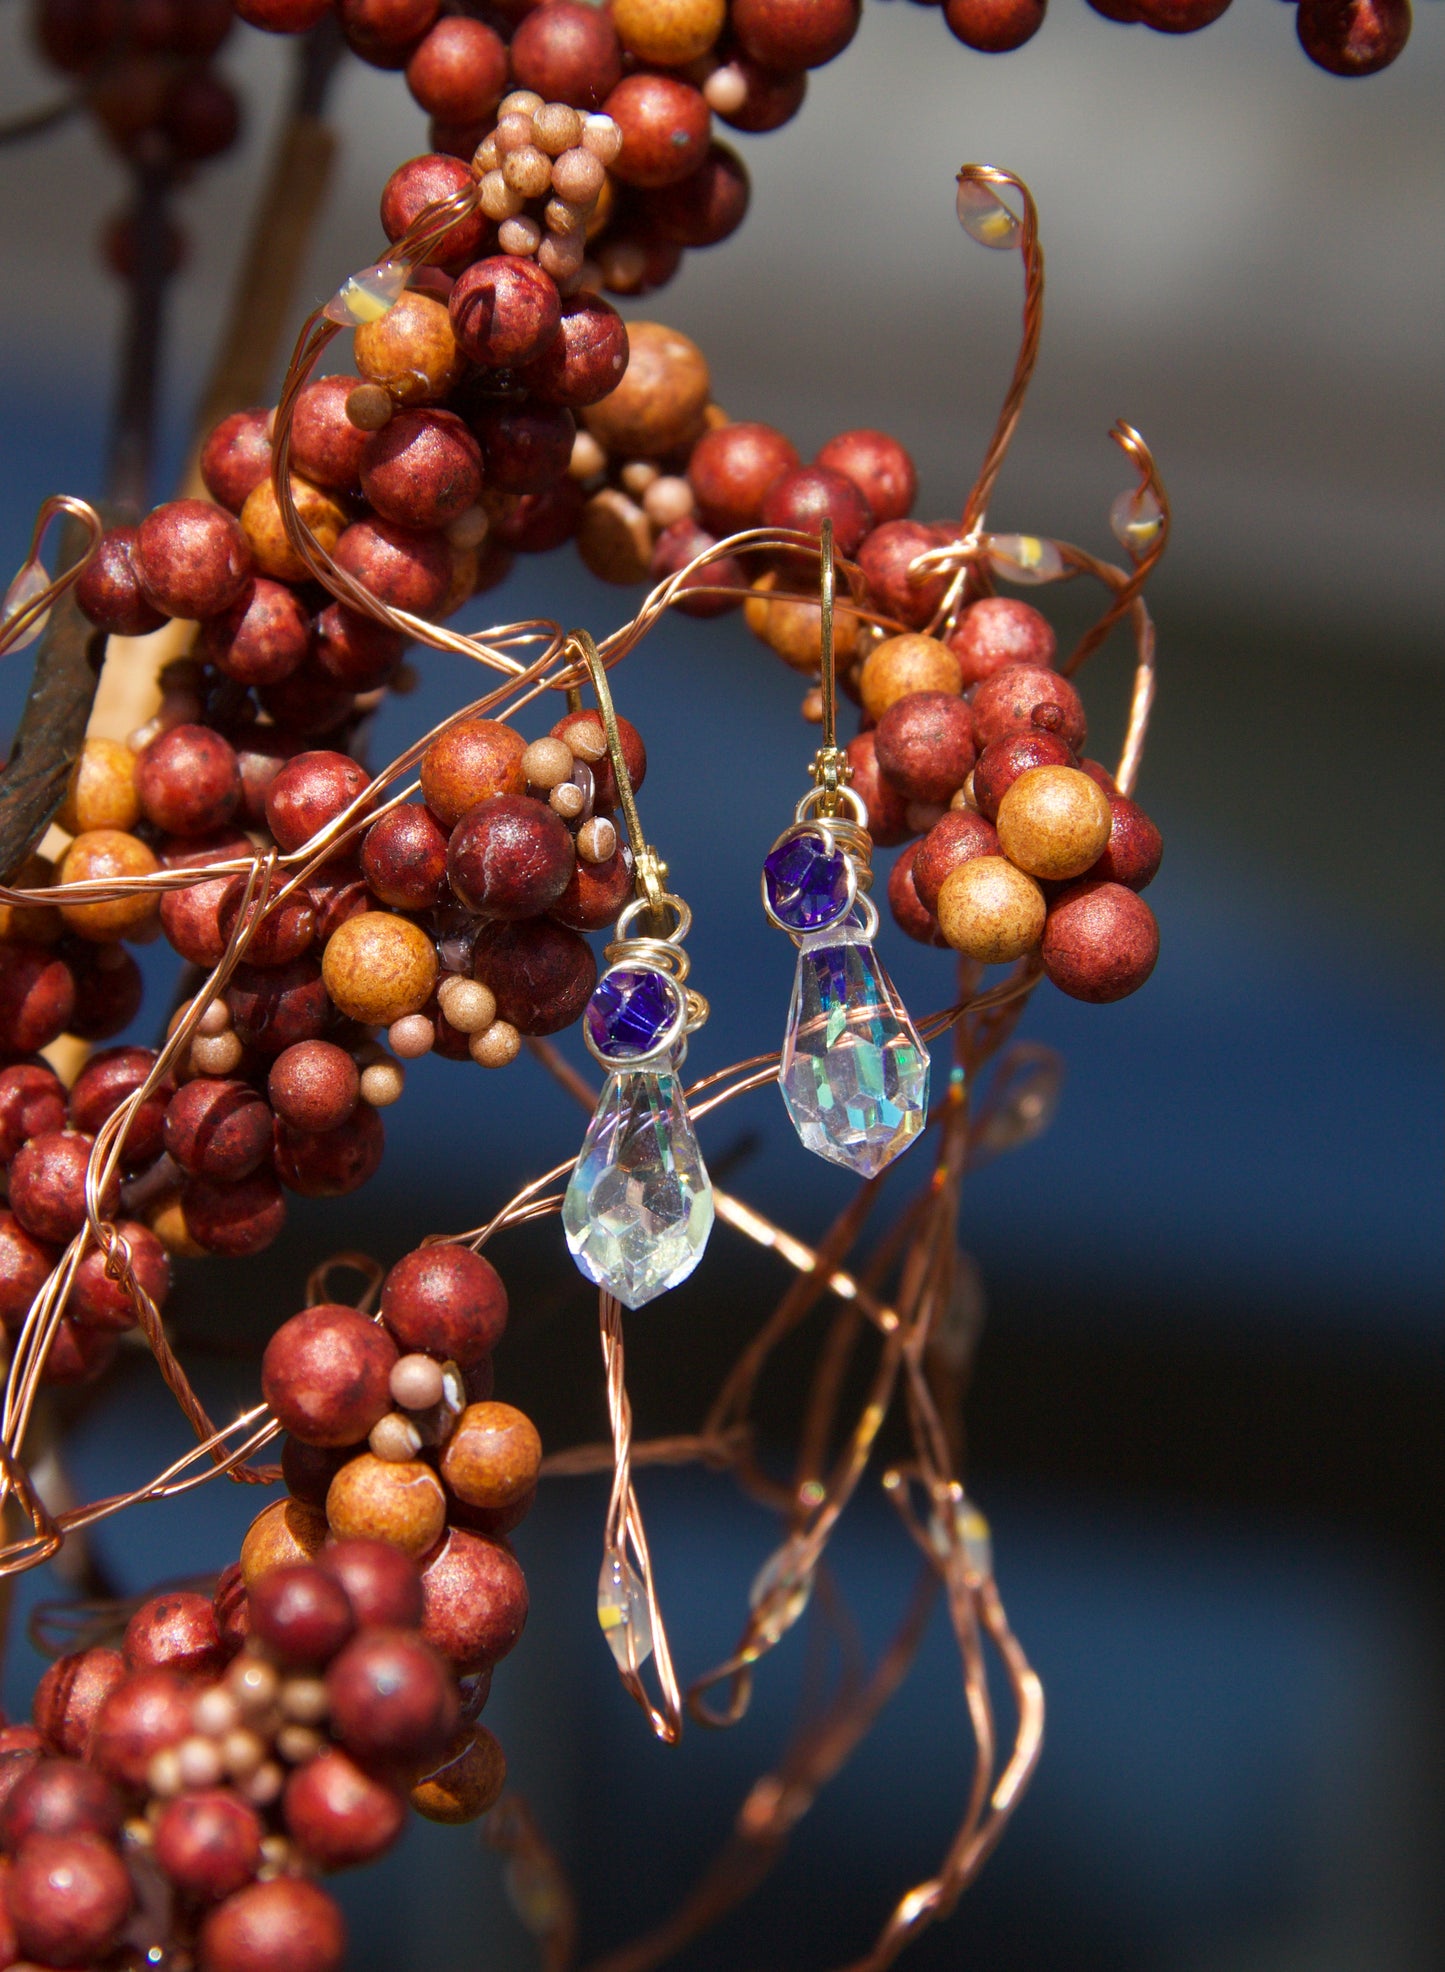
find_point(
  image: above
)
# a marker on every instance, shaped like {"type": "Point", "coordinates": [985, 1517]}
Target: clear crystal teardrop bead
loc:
{"type": "Point", "coordinates": [639, 1209]}
{"type": "Point", "coordinates": [854, 1074]}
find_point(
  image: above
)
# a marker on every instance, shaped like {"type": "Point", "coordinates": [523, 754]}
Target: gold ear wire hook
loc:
{"type": "Point", "coordinates": [832, 769]}
{"type": "Point", "coordinates": [651, 871]}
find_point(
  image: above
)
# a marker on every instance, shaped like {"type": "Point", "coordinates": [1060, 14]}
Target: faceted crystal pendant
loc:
{"type": "Point", "coordinates": [854, 1074]}
{"type": "Point", "coordinates": [639, 1207]}
{"type": "Point", "coordinates": [622, 1612]}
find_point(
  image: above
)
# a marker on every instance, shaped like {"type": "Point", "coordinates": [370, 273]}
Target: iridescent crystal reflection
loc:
{"type": "Point", "coordinates": [639, 1207]}
{"type": "Point", "coordinates": [854, 1073]}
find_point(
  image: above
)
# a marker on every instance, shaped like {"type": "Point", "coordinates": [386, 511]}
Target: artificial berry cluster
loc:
{"type": "Point", "coordinates": [175, 1797]}
{"type": "Point", "coordinates": [149, 85]}
{"type": "Point", "coordinates": [393, 1435]}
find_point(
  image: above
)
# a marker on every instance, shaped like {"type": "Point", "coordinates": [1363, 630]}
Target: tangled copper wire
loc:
{"type": "Point", "coordinates": [921, 1332]}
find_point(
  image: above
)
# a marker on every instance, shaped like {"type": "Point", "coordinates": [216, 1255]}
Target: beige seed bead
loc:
{"type": "Point", "coordinates": [253, 1683]}
{"type": "Point", "coordinates": [216, 1054]}
{"type": "Point", "coordinates": [586, 739]}
{"type": "Point", "coordinates": [469, 1006]}
{"type": "Point", "coordinates": [303, 1700]}
{"type": "Point", "coordinates": [597, 840]}
{"type": "Point", "coordinates": [521, 235]}
{"type": "Point", "coordinates": [965, 797]}
{"type": "Point", "coordinates": [568, 801]}
{"type": "Point", "coordinates": [377, 967]}
{"type": "Point", "coordinates": [298, 1743]}
{"type": "Point", "coordinates": [199, 1760]}
{"type": "Point", "coordinates": [410, 1037]}
{"type": "Point", "coordinates": [991, 911]}
{"type": "Point", "coordinates": [547, 763]}
{"type": "Point", "coordinates": [521, 102]}
{"type": "Point", "coordinates": [242, 1752]}
{"type": "Point", "coordinates": [369, 407]}
{"type": "Point", "coordinates": [215, 1019]}
{"type": "Point", "coordinates": [578, 176]}
{"type": "Point", "coordinates": [497, 1046]}
{"type": "Point", "coordinates": [498, 199]}
{"type": "Point", "coordinates": [900, 666]}
{"type": "Point", "coordinates": [668, 499]}
{"type": "Point", "coordinates": [263, 1786]}
{"type": "Point", "coordinates": [416, 1382]}
{"type": "Point", "coordinates": [216, 1712]}
{"type": "Point", "coordinates": [528, 171]}
{"type": "Point", "coordinates": [163, 1775]}
{"type": "Point", "coordinates": [638, 474]}
{"type": "Point", "coordinates": [486, 157]}
{"type": "Point", "coordinates": [566, 221]}
{"type": "Point", "coordinates": [602, 137]}
{"type": "Point", "coordinates": [812, 706]}
{"type": "Point", "coordinates": [588, 458]}
{"type": "Point", "coordinates": [726, 89]}
{"type": "Point", "coordinates": [394, 1438]}
{"type": "Point", "coordinates": [469, 529]}
{"type": "Point", "coordinates": [561, 258]}
{"type": "Point", "coordinates": [556, 127]}
{"type": "Point", "coordinates": [383, 1082]}
{"type": "Point", "coordinates": [1054, 822]}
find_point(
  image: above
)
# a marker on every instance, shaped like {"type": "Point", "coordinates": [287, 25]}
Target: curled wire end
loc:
{"type": "Point", "coordinates": [27, 603]}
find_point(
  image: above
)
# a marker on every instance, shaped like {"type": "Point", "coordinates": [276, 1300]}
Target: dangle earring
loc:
{"type": "Point", "coordinates": [638, 1208]}
{"type": "Point", "coordinates": [854, 1073]}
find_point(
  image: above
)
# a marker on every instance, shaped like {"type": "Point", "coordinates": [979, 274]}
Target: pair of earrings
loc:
{"type": "Point", "coordinates": [853, 1074]}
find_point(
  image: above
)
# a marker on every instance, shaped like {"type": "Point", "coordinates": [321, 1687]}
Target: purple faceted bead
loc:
{"type": "Point", "coordinates": [807, 884]}
{"type": "Point", "coordinates": [630, 1011]}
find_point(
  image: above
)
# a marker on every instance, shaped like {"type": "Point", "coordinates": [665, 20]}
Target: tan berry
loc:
{"type": "Point", "coordinates": [417, 1382]}
{"type": "Point", "coordinates": [411, 351]}
{"type": "Point", "coordinates": [285, 1531]}
{"type": "Point", "coordinates": [468, 1782]}
{"type": "Point", "coordinates": [321, 515]}
{"type": "Point", "coordinates": [394, 1438]}
{"type": "Point", "coordinates": [795, 629]}
{"type": "Point", "coordinates": [99, 856]}
{"type": "Point", "coordinates": [1054, 822]}
{"type": "Point", "coordinates": [902, 665]}
{"type": "Point", "coordinates": [668, 32]}
{"type": "Point", "coordinates": [101, 791]}
{"type": "Point", "coordinates": [661, 400]}
{"type": "Point", "coordinates": [377, 968]}
{"type": "Point", "coordinates": [990, 911]}
{"type": "Point", "coordinates": [373, 1499]}
{"type": "Point", "coordinates": [216, 1054]}
{"type": "Point", "coordinates": [492, 1456]}
{"type": "Point", "coordinates": [597, 840]}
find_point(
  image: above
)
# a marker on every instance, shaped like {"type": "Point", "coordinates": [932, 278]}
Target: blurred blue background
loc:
{"type": "Point", "coordinates": [1207, 1417]}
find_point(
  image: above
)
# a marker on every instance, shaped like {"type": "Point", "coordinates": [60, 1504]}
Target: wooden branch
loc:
{"type": "Point", "coordinates": [52, 726]}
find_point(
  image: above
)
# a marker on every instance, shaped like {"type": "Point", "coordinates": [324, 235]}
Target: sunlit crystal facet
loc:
{"type": "Point", "coordinates": [1025, 559]}
{"type": "Point", "coordinates": [854, 1074]}
{"type": "Point", "coordinates": [1135, 520]}
{"type": "Point", "coordinates": [984, 216]}
{"type": "Point", "coordinates": [622, 1612]}
{"type": "Point", "coordinates": [639, 1209]}
{"type": "Point", "coordinates": [369, 295]}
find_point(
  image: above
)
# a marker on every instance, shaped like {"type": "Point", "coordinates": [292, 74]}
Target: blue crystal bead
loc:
{"type": "Point", "coordinates": [808, 886]}
{"type": "Point", "coordinates": [633, 1011]}
{"type": "Point", "coordinates": [854, 1073]}
{"type": "Point", "coordinates": [639, 1208]}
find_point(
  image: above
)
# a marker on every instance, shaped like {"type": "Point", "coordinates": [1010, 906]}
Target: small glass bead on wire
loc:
{"type": "Point", "coordinates": [367, 296]}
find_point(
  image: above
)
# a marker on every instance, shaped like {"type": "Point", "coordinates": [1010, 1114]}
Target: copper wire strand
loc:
{"type": "Point", "coordinates": [535, 658]}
